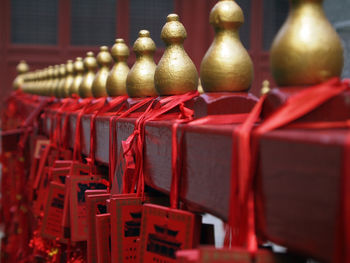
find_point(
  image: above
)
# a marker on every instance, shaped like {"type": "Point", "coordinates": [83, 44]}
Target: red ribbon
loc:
{"type": "Point", "coordinates": [106, 108]}
{"type": "Point", "coordinates": [133, 147]}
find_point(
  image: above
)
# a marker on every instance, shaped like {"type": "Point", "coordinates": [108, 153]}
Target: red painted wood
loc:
{"type": "Point", "coordinates": [123, 27]}
{"type": "Point", "coordinates": [300, 184]}
{"type": "Point", "coordinates": [199, 32]}
{"type": "Point", "coordinates": [339, 104]}
{"type": "Point", "coordinates": [223, 103]}
{"type": "Point", "coordinates": [64, 28]}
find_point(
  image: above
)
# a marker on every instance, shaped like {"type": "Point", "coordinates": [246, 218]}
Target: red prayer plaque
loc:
{"type": "Point", "coordinates": [66, 210]}
{"type": "Point", "coordinates": [62, 163]}
{"type": "Point", "coordinates": [53, 156]}
{"type": "Point", "coordinates": [95, 204]}
{"type": "Point", "coordinates": [41, 167]}
{"type": "Point", "coordinates": [224, 255]}
{"type": "Point", "coordinates": [77, 203]}
{"type": "Point", "coordinates": [40, 198]}
{"type": "Point", "coordinates": [40, 146]}
{"type": "Point", "coordinates": [187, 256]}
{"type": "Point", "coordinates": [164, 231]}
{"type": "Point", "coordinates": [126, 213]}
{"type": "Point", "coordinates": [59, 174]}
{"type": "Point", "coordinates": [103, 223]}
{"type": "Point", "coordinates": [52, 222]}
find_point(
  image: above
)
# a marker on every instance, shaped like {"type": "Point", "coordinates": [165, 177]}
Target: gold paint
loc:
{"type": "Point", "coordinates": [104, 60]}
{"type": "Point", "coordinates": [116, 81]}
{"type": "Point", "coordinates": [175, 73]}
{"type": "Point", "coordinates": [227, 65]}
{"type": "Point", "coordinates": [200, 88]}
{"type": "Point", "coordinates": [265, 87]}
{"type": "Point", "coordinates": [90, 64]}
{"type": "Point", "coordinates": [59, 90]}
{"type": "Point", "coordinates": [21, 68]}
{"type": "Point", "coordinates": [306, 50]}
{"type": "Point", "coordinates": [48, 79]}
{"type": "Point", "coordinates": [69, 79]}
{"type": "Point", "coordinates": [79, 70]}
{"type": "Point", "coordinates": [140, 80]}
{"type": "Point", "coordinates": [55, 80]}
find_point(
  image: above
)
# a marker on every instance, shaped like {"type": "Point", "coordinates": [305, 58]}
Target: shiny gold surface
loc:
{"type": "Point", "coordinates": [265, 87]}
{"type": "Point", "coordinates": [47, 77]}
{"type": "Point", "coordinates": [59, 90]}
{"type": "Point", "coordinates": [116, 81]}
{"type": "Point", "coordinates": [64, 93]}
{"type": "Point", "coordinates": [21, 68]}
{"type": "Point", "coordinates": [78, 77]}
{"type": "Point", "coordinates": [50, 90]}
{"type": "Point", "coordinates": [90, 65]}
{"type": "Point", "coordinates": [140, 80]}
{"type": "Point", "coordinates": [175, 73]}
{"type": "Point", "coordinates": [306, 50]}
{"type": "Point", "coordinates": [227, 65]}
{"type": "Point", "coordinates": [104, 60]}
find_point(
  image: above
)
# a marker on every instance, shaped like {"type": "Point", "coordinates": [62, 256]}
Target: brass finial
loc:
{"type": "Point", "coordinates": [116, 82]}
{"type": "Point", "coordinates": [78, 77]}
{"type": "Point", "coordinates": [58, 92]}
{"type": "Point", "coordinates": [90, 64]}
{"type": "Point", "coordinates": [104, 60]}
{"type": "Point", "coordinates": [47, 76]}
{"type": "Point", "coordinates": [69, 79]}
{"type": "Point", "coordinates": [227, 65]}
{"type": "Point", "coordinates": [306, 50]}
{"type": "Point", "coordinates": [21, 68]}
{"type": "Point", "coordinates": [265, 87]}
{"type": "Point", "coordinates": [140, 80]}
{"type": "Point", "coordinates": [175, 73]}
{"type": "Point", "coordinates": [55, 80]}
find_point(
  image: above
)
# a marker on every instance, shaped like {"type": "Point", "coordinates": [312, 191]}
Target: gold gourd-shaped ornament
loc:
{"type": "Point", "coordinates": [104, 60]}
{"type": "Point", "coordinates": [56, 79]}
{"type": "Point", "coordinates": [116, 81]}
{"type": "Point", "coordinates": [175, 73]}
{"type": "Point", "coordinates": [79, 71]}
{"type": "Point", "coordinates": [21, 68]}
{"type": "Point", "coordinates": [90, 65]}
{"type": "Point", "coordinates": [47, 78]}
{"type": "Point", "coordinates": [306, 50]}
{"type": "Point", "coordinates": [227, 65]}
{"type": "Point", "coordinates": [69, 79]}
{"type": "Point", "coordinates": [59, 89]}
{"type": "Point", "coordinates": [140, 80]}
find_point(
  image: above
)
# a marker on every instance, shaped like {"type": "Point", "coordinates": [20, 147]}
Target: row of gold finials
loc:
{"type": "Point", "coordinates": [296, 58]}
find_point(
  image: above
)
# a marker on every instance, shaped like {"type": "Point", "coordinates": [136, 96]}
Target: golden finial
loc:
{"type": "Point", "coordinates": [227, 65]}
{"type": "Point", "coordinates": [78, 70]}
{"type": "Point", "coordinates": [69, 79]}
{"type": "Point", "coordinates": [116, 82]}
{"type": "Point", "coordinates": [55, 79]}
{"type": "Point", "coordinates": [104, 60]}
{"type": "Point", "coordinates": [200, 88]}
{"type": "Point", "coordinates": [175, 73]}
{"type": "Point", "coordinates": [90, 64]}
{"type": "Point", "coordinates": [140, 80]}
{"type": "Point", "coordinates": [21, 68]}
{"type": "Point", "coordinates": [306, 50]}
{"type": "Point", "coordinates": [59, 89]}
{"type": "Point", "coordinates": [265, 87]}
{"type": "Point", "coordinates": [47, 78]}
